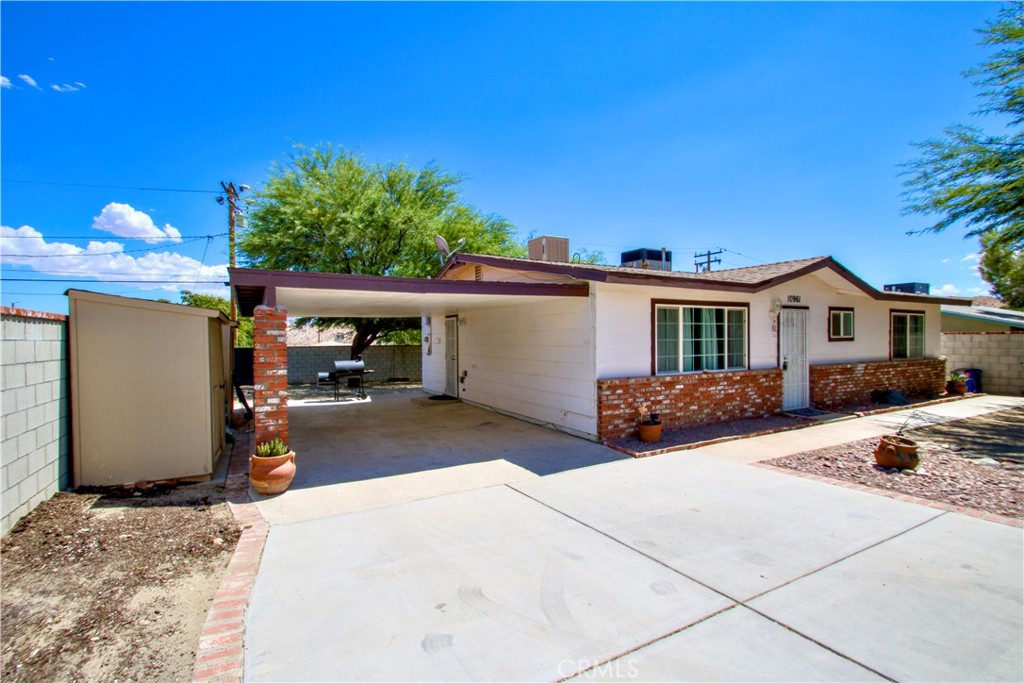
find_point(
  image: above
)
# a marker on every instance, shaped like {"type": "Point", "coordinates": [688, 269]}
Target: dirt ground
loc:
{"type": "Point", "coordinates": [112, 585]}
{"type": "Point", "coordinates": [977, 462]}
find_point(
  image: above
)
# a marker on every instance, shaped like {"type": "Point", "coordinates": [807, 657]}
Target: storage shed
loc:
{"type": "Point", "coordinates": [149, 388]}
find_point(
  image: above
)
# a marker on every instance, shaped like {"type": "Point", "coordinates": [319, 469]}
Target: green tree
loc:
{"type": "Point", "coordinates": [243, 337]}
{"type": "Point", "coordinates": [331, 211]}
{"type": "Point", "coordinates": [971, 176]}
{"type": "Point", "coordinates": [1003, 267]}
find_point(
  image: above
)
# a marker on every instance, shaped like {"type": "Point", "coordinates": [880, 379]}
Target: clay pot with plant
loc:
{"type": "Point", "coordinates": [272, 468]}
{"type": "Point", "coordinates": [957, 383]}
{"type": "Point", "coordinates": [650, 424]}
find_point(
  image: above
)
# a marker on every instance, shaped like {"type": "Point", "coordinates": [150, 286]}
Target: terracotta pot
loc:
{"type": "Point", "coordinates": [650, 433]}
{"type": "Point", "coordinates": [271, 475]}
{"type": "Point", "coordinates": [960, 387]}
{"type": "Point", "coordinates": [897, 451]}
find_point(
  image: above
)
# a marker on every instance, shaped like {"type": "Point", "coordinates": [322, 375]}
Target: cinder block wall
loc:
{"type": "Point", "coordinates": [35, 422]}
{"type": "Point", "coordinates": [837, 384]}
{"type": "Point", "coordinates": [386, 361]}
{"type": "Point", "coordinates": [687, 400]}
{"type": "Point", "coordinates": [997, 354]}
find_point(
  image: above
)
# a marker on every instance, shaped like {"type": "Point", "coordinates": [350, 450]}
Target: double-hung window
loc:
{"type": "Point", "coordinates": [694, 338]}
{"type": "Point", "coordinates": [907, 335]}
{"type": "Point", "coordinates": [840, 324]}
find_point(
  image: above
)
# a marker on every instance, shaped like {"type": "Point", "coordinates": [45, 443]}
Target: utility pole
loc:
{"type": "Point", "coordinates": [707, 260]}
{"type": "Point", "coordinates": [231, 193]}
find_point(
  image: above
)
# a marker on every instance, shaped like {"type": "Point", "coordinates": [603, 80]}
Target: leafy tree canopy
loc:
{"type": "Point", "coordinates": [243, 336]}
{"type": "Point", "coordinates": [1003, 267]}
{"type": "Point", "coordinates": [331, 211]}
{"type": "Point", "coordinates": [971, 176]}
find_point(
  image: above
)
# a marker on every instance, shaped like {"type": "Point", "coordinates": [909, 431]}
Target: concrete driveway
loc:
{"type": "Point", "coordinates": [398, 446]}
{"type": "Point", "coordinates": [685, 566]}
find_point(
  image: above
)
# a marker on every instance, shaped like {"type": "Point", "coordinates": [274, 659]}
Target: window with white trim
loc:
{"type": "Point", "coordinates": [695, 338]}
{"type": "Point", "coordinates": [840, 324]}
{"type": "Point", "coordinates": [907, 335]}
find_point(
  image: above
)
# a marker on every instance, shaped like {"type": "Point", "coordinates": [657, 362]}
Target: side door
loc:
{"type": "Point", "coordinates": [451, 356]}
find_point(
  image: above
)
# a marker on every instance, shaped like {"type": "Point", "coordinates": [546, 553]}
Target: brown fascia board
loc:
{"type": "Point", "coordinates": [654, 278]}
{"type": "Point", "coordinates": [252, 277]}
{"type": "Point", "coordinates": [580, 272]}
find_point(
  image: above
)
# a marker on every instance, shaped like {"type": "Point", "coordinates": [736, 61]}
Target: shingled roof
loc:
{"type": "Point", "coordinates": [750, 278]}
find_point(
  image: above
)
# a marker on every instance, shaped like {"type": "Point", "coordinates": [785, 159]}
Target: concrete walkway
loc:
{"type": "Point", "coordinates": [685, 566]}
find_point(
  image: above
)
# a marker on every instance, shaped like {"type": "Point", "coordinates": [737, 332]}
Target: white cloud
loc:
{"type": "Point", "coordinates": [25, 246]}
{"type": "Point", "coordinates": [5, 82]}
{"type": "Point", "coordinates": [946, 260]}
{"type": "Point", "coordinates": [946, 290]}
{"type": "Point", "coordinates": [66, 88]}
{"type": "Point", "coordinates": [80, 84]}
{"type": "Point", "coordinates": [124, 221]}
{"type": "Point", "coordinates": [30, 81]}
{"type": "Point", "coordinates": [973, 256]}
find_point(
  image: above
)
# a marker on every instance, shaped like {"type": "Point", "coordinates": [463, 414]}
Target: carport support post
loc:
{"type": "Point", "coordinates": [270, 373]}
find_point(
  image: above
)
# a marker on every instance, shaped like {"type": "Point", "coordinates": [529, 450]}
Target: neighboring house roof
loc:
{"type": "Point", "coordinates": [750, 279]}
{"type": "Point", "coordinates": [1000, 316]}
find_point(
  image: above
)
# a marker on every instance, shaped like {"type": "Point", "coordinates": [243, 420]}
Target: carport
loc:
{"type": "Point", "coordinates": [270, 296]}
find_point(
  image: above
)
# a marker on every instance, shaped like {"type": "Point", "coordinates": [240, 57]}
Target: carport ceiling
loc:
{"type": "Point", "coordinates": [337, 295]}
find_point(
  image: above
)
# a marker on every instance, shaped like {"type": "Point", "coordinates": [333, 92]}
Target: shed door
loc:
{"type": "Point", "coordinates": [218, 389]}
{"type": "Point", "coordinates": [793, 354]}
{"type": "Point", "coordinates": [451, 356]}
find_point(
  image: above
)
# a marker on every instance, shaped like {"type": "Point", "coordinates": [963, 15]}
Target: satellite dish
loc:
{"type": "Point", "coordinates": [443, 250]}
{"type": "Point", "coordinates": [442, 247]}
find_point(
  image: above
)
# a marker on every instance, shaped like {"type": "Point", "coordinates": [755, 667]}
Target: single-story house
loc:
{"type": "Point", "coordinates": [579, 347]}
{"type": "Point", "coordinates": [976, 318]}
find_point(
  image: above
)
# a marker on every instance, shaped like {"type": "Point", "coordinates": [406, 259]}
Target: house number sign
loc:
{"type": "Point", "coordinates": [793, 299]}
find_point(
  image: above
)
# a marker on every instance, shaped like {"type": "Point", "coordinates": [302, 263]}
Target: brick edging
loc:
{"type": "Point", "coordinates": [938, 505]}
{"type": "Point", "coordinates": [711, 442]}
{"type": "Point", "coordinates": [220, 653]}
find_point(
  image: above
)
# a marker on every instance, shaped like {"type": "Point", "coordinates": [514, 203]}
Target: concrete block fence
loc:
{"type": "Point", "coordinates": [997, 354]}
{"type": "Point", "coordinates": [385, 361]}
{"type": "Point", "coordinates": [35, 423]}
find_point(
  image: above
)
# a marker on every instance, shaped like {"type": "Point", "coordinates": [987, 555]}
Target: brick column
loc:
{"type": "Point", "coordinates": [270, 373]}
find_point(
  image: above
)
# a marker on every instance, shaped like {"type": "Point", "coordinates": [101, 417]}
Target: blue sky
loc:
{"type": "Point", "coordinates": [770, 130]}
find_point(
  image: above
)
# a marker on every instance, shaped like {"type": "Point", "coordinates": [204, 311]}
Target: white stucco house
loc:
{"type": "Point", "coordinates": [579, 347]}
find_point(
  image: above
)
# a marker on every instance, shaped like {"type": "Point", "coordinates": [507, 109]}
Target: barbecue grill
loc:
{"type": "Point", "coordinates": [350, 370]}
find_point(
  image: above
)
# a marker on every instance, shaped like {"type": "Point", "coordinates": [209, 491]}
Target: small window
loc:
{"type": "Point", "coordinates": [840, 324]}
{"type": "Point", "coordinates": [907, 335]}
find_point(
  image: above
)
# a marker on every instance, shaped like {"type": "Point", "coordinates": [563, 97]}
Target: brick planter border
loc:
{"type": "Point", "coordinates": [220, 653]}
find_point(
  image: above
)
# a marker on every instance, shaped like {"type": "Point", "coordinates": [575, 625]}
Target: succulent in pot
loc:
{"type": "Point", "coordinates": [272, 467]}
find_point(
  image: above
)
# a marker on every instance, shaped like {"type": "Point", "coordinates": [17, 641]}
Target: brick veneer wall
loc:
{"type": "Point", "coordinates": [999, 356]}
{"type": "Point", "coordinates": [270, 373]}
{"type": "Point", "coordinates": [838, 384]}
{"type": "Point", "coordinates": [687, 400]}
{"type": "Point", "coordinates": [35, 425]}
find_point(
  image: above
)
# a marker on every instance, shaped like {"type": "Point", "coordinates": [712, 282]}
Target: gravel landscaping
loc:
{"type": "Point", "coordinates": [976, 463]}
{"type": "Point", "coordinates": [693, 436]}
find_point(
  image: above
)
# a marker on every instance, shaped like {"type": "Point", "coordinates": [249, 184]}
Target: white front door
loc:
{"type": "Point", "coordinates": [451, 357]}
{"type": "Point", "coordinates": [793, 356]}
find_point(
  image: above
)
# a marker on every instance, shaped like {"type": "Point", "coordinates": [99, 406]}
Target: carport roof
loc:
{"type": "Point", "coordinates": [341, 295]}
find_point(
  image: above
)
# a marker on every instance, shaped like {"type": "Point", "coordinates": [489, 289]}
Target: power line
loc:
{"type": "Point", "coordinates": [105, 253]}
{"type": "Point", "coordinates": [117, 237]}
{"type": "Point", "coordinates": [157, 282]}
{"type": "Point", "coordinates": [108, 187]}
